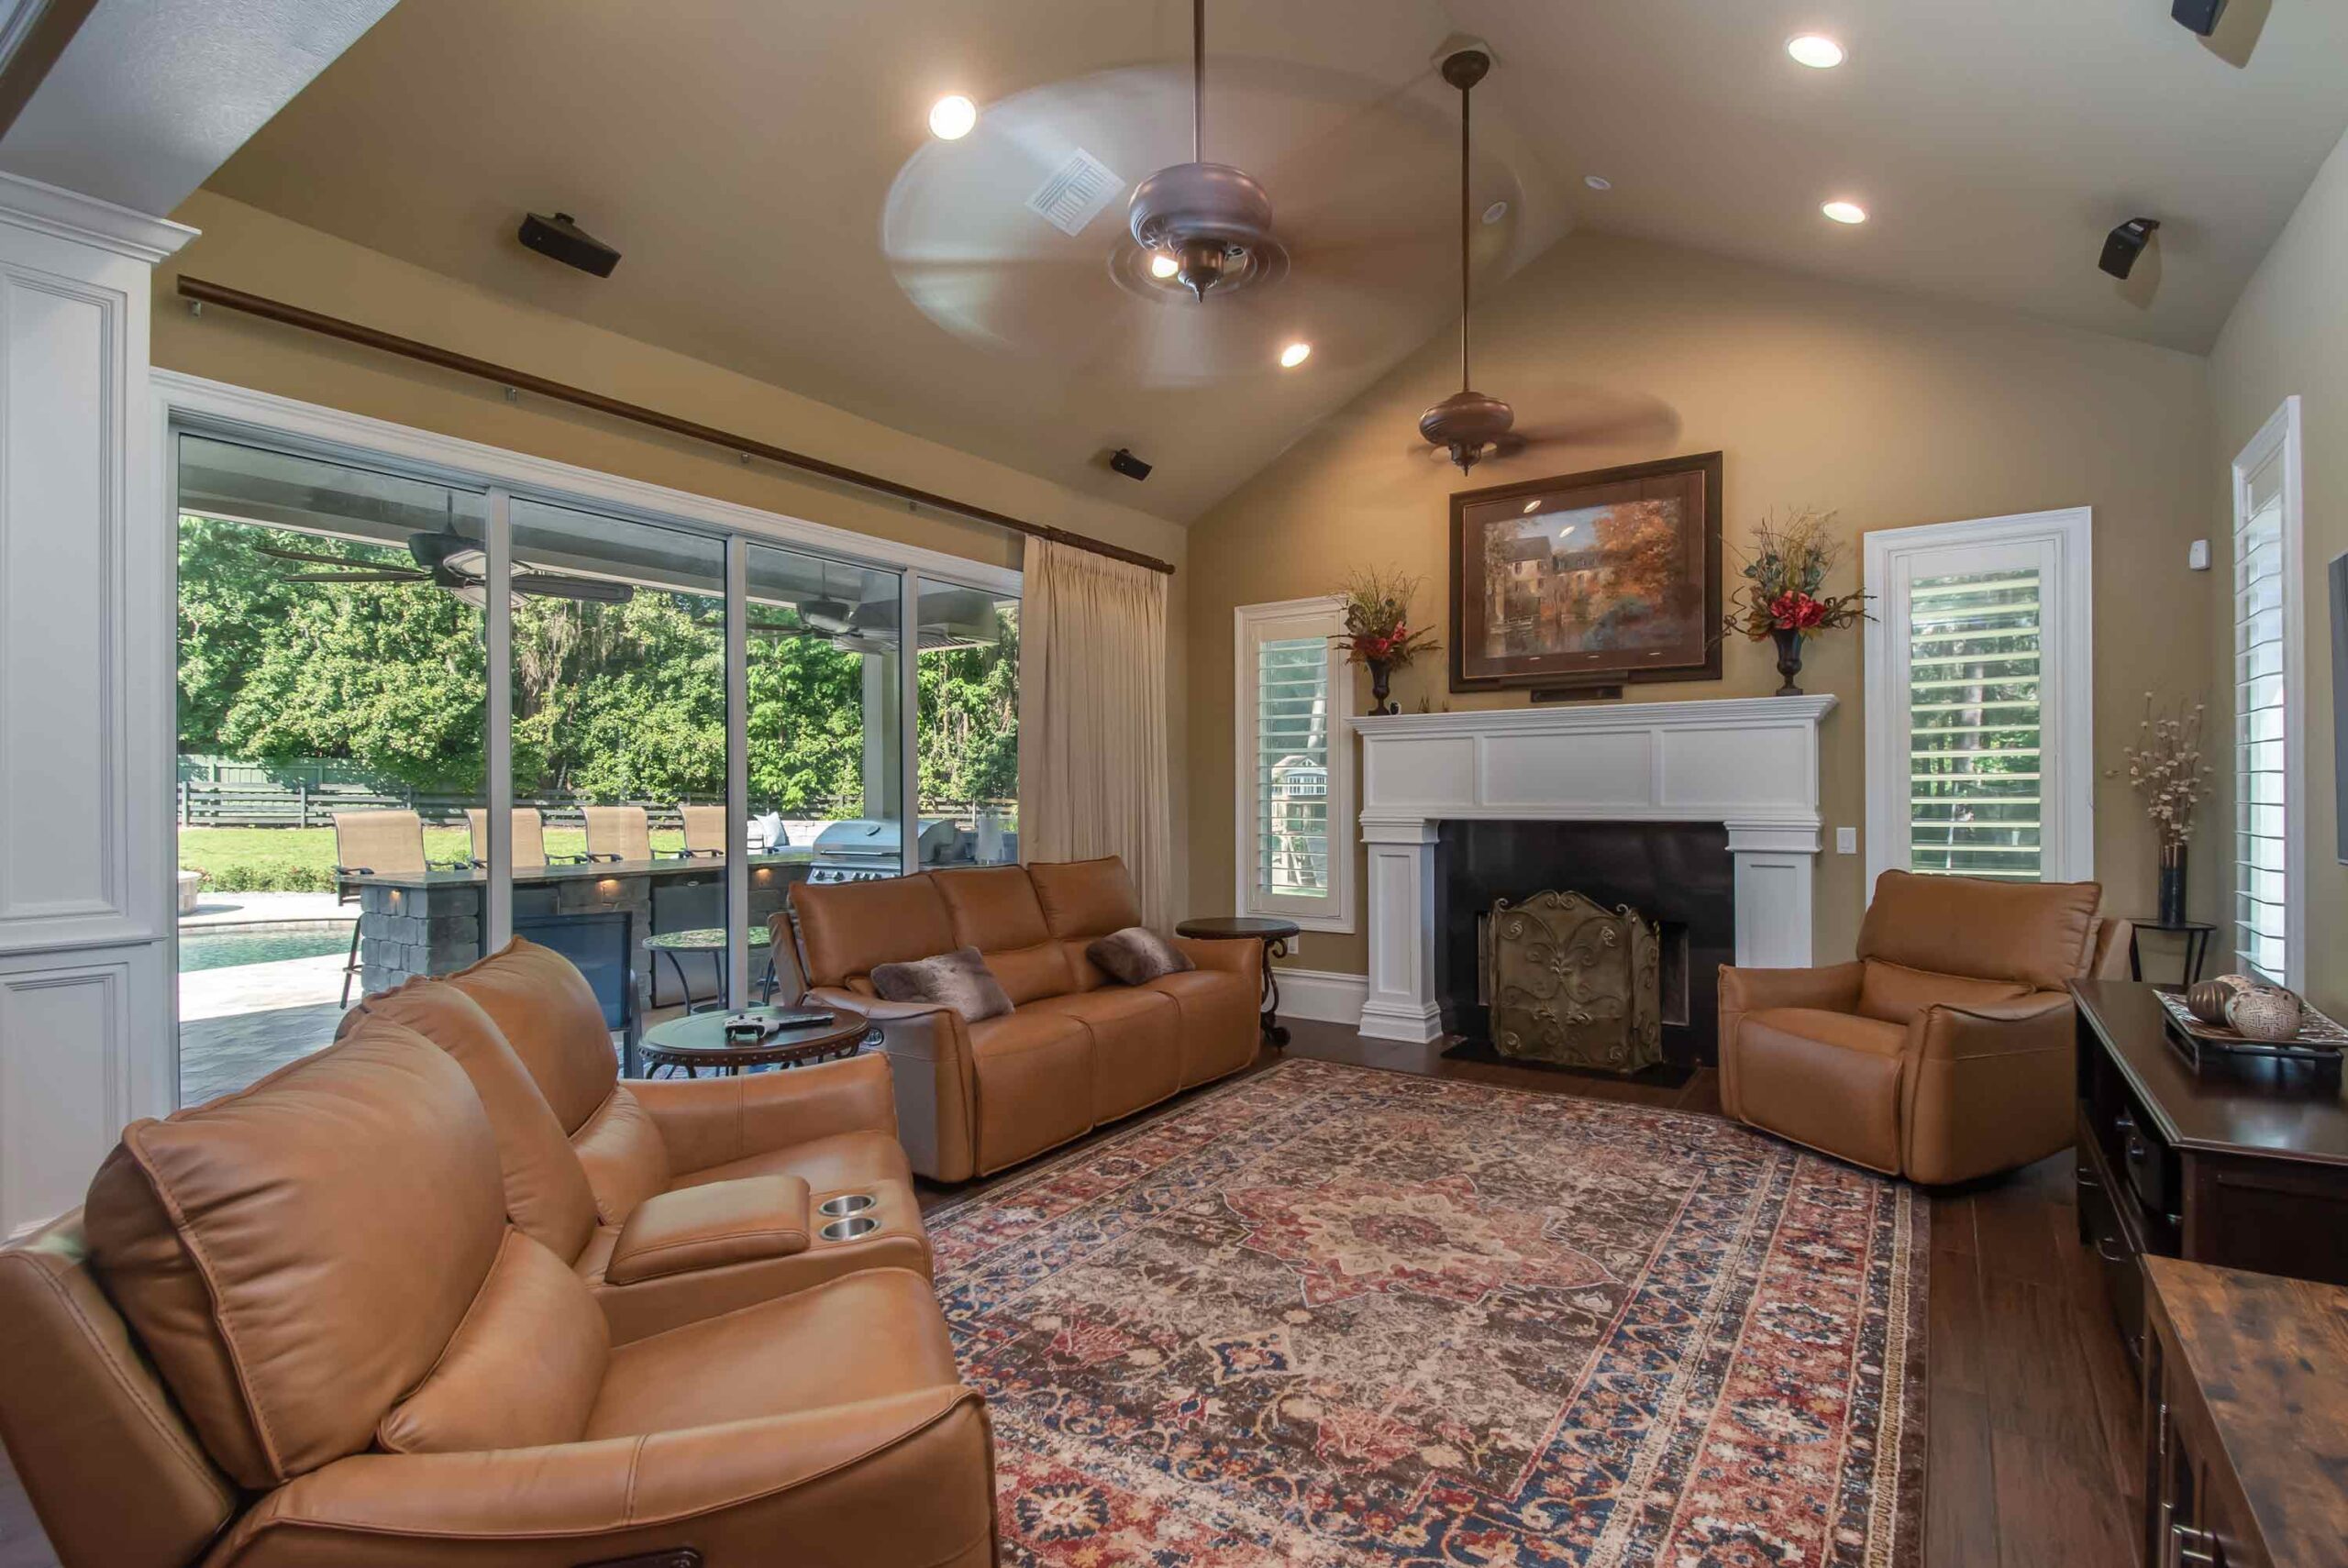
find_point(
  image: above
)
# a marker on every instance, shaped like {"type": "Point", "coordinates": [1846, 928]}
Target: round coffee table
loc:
{"type": "Point", "coordinates": [698, 1040]}
{"type": "Point", "coordinates": [1274, 934]}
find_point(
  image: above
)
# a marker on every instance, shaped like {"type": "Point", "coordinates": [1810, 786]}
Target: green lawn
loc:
{"type": "Point", "coordinates": [301, 860]}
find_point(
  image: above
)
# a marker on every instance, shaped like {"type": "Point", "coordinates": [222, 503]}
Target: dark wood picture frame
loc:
{"type": "Point", "coordinates": [1694, 480]}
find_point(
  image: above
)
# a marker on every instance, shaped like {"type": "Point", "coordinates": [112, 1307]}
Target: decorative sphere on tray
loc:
{"type": "Point", "coordinates": [2265, 1012]}
{"type": "Point", "coordinates": [2207, 1001]}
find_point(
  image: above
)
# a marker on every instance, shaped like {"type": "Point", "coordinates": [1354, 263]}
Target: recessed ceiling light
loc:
{"type": "Point", "coordinates": [1816, 50]}
{"type": "Point", "coordinates": [1496, 212]}
{"type": "Point", "coordinates": [1295, 354]}
{"type": "Point", "coordinates": [951, 117]}
{"type": "Point", "coordinates": [1162, 265]}
{"type": "Point", "coordinates": [1846, 212]}
{"type": "Point", "coordinates": [1598, 182]}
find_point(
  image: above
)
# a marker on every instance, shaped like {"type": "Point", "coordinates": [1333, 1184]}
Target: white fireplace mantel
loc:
{"type": "Point", "coordinates": [1749, 763]}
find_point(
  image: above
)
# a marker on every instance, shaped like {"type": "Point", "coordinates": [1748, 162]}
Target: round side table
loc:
{"type": "Point", "coordinates": [674, 944]}
{"type": "Point", "coordinates": [698, 1040]}
{"type": "Point", "coordinates": [2197, 935]}
{"type": "Point", "coordinates": [1274, 934]}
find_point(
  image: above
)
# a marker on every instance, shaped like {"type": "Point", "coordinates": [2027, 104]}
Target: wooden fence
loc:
{"type": "Point", "coordinates": [298, 803]}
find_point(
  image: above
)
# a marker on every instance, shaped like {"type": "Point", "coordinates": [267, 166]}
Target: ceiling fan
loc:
{"type": "Point", "coordinates": [448, 559]}
{"type": "Point", "coordinates": [1210, 221]}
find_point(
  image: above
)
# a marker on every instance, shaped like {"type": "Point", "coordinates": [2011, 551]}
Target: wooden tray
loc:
{"type": "Point", "coordinates": [2319, 1038]}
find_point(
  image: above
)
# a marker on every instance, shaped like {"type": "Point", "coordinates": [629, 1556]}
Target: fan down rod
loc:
{"type": "Point", "coordinates": [204, 292]}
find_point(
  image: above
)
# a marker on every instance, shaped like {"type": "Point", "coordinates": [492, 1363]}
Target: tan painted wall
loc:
{"type": "Point", "coordinates": [1891, 411]}
{"type": "Point", "coordinates": [250, 250]}
{"type": "Point", "coordinates": [2289, 333]}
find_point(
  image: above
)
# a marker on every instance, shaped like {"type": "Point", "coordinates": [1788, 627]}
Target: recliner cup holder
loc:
{"type": "Point", "coordinates": [849, 1229]}
{"type": "Point", "coordinates": [846, 1203]}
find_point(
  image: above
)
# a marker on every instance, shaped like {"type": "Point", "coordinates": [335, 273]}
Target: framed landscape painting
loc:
{"type": "Point", "coordinates": [1588, 580]}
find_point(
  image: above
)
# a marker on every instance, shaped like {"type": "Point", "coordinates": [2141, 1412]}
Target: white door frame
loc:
{"type": "Point", "coordinates": [2280, 437]}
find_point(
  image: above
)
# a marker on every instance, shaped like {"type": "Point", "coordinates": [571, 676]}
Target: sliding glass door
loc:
{"type": "Point", "coordinates": [621, 735]}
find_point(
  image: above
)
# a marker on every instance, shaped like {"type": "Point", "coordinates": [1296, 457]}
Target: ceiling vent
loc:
{"type": "Point", "coordinates": [1076, 193]}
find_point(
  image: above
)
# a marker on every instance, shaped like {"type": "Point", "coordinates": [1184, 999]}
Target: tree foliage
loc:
{"type": "Point", "coordinates": [611, 702]}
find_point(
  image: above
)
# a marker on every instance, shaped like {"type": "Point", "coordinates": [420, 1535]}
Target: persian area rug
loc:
{"type": "Point", "coordinates": [1333, 1316]}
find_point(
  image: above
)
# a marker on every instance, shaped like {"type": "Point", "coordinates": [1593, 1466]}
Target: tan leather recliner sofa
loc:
{"type": "Point", "coordinates": [652, 1188]}
{"type": "Point", "coordinates": [1076, 1051]}
{"type": "Point", "coordinates": [1943, 1052]}
{"type": "Point", "coordinates": [296, 1327]}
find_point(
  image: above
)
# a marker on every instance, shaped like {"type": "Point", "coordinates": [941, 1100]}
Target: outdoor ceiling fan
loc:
{"type": "Point", "coordinates": [448, 559]}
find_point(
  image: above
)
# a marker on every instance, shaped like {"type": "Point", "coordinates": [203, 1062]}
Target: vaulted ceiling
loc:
{"type": "Point", "coordinates": [767, 172]}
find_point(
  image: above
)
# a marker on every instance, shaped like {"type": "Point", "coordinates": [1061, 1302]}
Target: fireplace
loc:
{"type": "Point", "coordinates": [1676, 877]}
{"type": "Point", "coordinates": [1736, 776]}
{"type": "Point", "coordinates": [1570, 982]}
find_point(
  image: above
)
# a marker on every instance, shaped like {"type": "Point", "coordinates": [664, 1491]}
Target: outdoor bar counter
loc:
{"type": "Point", "coordinates": [598, 914]}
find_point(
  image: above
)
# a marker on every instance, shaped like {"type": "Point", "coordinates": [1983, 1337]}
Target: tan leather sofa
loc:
{"type": "Point", "coordinates": [295, 1327]}
{"type": "Point", "coordinates": [652, 1189]}
{"type": "Point", "coordinates": [1077, 1049]}
{"type": "Point", "coordinates": [1943, 1052]}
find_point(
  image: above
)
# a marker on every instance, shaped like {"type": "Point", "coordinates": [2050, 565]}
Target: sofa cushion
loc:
{"type": "Point", "coordinates": [548, 1014]}
{"type": "Point", "coordinates": [803, 1351]}
{"type": "Point", "coordinates": [1136, 1049]}
{"type": "Point", "coordinates": [621, 1151]}
{"type": "Point", "coordinates": [1222, 1026]}
{"type": "Point", "coordinates": [2034, 932]}
{"type": "Point", "coordinates": [296, 1257]}
{"type": "Point", "coordinates": [545, 1188]}
{"type": "Point", "coordinates": [1137, 955]}
{"type": "Point", "coordinates": [840, 1162]}
{"type": "Point", "coordinates": [1827, 1079]}
{"type": "Point", "coordinates": [959, 979]}
{"type": "Point", "coordinates": [1085, 898]}
{"type": "Point", "coordinates": [847, 928]}
{"type": "Point", "coordinates": [993, 909]}
{"type": "Point", "coordinates": [712, 1225]}
{"type": "Point", "coordinates": [1895, 993]}
{"type": "Point", "coordinates": [1032, 1075]}
{"type": "Point", "coordinates": [521, 1370]}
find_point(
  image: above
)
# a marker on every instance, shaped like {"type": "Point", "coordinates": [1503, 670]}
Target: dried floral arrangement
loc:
{"type": "Point", "coordinates": [2164, 767]}
{"type": "Point", "coordinates": [1785, 580]}
{"type": "Point", "coordinates": [1377, 620]}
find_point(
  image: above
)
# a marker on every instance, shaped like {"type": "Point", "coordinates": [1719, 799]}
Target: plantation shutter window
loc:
{"type": "Point", "coordinates": [1294, 804]}
{"type": "Point", "coordinates": [1978, 760]}
{"type": "Point", "coordinates": [2267, 738]}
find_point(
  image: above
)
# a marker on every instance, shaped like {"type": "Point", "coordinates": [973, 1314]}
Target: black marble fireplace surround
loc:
{"type": "Point", "coordinates": [1679, 875]}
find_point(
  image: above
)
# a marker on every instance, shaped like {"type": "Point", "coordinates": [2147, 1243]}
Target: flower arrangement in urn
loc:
{"type": "Point", "coordinates": [1784, 597]}
{"type": "Point", "coordinates": [2164, 767]}
{"type": "Point", "coordinates": [1378, 631]}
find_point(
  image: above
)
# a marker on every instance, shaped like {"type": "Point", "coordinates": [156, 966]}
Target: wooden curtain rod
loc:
{"type": "Point", "coordinates": [203, 292]}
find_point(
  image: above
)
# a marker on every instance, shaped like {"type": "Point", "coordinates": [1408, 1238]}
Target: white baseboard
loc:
{"type": "Point", "coordinates": [1322, 995]}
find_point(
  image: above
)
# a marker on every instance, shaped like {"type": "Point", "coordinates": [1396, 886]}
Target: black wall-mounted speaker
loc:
{"type": "Point", "coordinates": [2124, 244]}
{"type": "Point", "coordinates": [2201, 16]}
{"type": "Point", "coordinates": [563, 239]}
{"type": "Point", "coordinates": [1125, 463]}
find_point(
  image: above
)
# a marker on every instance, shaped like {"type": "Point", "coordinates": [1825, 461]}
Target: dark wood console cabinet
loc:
{"type": "Point", "coordinates": [2247, 1170]}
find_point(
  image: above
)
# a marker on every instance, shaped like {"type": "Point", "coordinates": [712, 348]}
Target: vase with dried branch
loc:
{"type": "Point", "coordinates": [2166, 768]}
{"type": "Point", "coordinates": [1378, 633]}
{"type": "Point", "coordinates": [1784, 597]}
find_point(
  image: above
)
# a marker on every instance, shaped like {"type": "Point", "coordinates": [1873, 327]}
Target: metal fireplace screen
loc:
{"type": "Point", "coordinates": [1570, 983]}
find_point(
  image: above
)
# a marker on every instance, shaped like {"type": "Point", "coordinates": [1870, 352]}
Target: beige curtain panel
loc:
{"type": "Point", "coordinates": [1092, 763]}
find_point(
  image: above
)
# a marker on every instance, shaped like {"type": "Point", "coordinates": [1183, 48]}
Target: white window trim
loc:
{"type": "Point", "coordinates": [1342, 830]}
{"type": "Point", "coordinates": [2070, 721]}
{"type": "Point", "coordinates": [2279, 435]}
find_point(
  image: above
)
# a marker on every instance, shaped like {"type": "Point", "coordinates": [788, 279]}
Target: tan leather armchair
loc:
{"type": "Point", "coordinates": [1075, 1050]}
{"type": "Point", "coordinates": [1943, 1052]}
{"type": "Point", "coordinates": [296, 1326]}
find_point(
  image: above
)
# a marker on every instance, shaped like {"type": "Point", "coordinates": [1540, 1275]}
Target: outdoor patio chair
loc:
{"type": "Point", "coordinates": [704, 832]}
{"type": "Point", "coordinates": [529, 845]}
{"type": "Point", "coordinates": [382, 843]}
{"type": "Point", "coordinates": [618, 832]}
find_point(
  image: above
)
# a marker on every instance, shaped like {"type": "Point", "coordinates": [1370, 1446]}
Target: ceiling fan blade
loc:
{"type": "Point", "coordinates": [589, 589]}
{"type": "Point", "coordinates": [393, 575]}
{"type": "Point", "coordinates": [309, 558]}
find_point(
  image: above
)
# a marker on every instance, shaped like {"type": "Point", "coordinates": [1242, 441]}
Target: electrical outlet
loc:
{"type": "Point", "coordinates": [1846, 841]}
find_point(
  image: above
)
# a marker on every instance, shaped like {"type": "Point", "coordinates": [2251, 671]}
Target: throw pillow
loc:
{"type": "Point", "coordinates": [1137, 955]}
{"type": "Point", "coordinates": [959, 979]}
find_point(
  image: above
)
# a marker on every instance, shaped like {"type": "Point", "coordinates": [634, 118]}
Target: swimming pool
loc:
{"type": "Point", "coordinates": [229, 947]}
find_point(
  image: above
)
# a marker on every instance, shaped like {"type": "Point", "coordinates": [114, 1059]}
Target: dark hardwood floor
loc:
{"type": "Point", "coordinates": [2032, 1418]}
